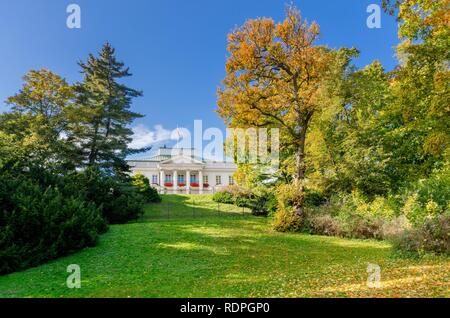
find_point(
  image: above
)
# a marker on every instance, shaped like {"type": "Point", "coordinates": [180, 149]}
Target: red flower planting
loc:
{"type": "Point", "coordinates": [168, 185]}
{"type": "Point", "coordinates": [205, 185]}
{"type": "Point", "coordinates": [195, 185]}
{"type": "Point", "coordinates": [182, 185]}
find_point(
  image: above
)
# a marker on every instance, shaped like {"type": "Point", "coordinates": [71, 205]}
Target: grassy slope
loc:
{"type": "Point", "coordinates": [228, 257]}
{"type": "Point", "coordinates": [191, 207]}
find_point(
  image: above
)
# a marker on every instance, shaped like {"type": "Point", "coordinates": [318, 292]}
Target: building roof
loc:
{"type": "Point", "coordinates": [165, 154]}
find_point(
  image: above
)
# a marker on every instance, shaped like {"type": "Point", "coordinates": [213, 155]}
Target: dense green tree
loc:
{"type": "Point", "coordinates": [346, 144]}
{"type": "Point", "coordinates": [37, 122]}
{"type": "Point", "coordinates": [390, 129]}
{"type": "Point", "coordinates": [421, 109]}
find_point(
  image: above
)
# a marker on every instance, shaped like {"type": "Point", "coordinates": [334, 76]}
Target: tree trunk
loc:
{"type": "Point", "coordinates": [92, 159]}
{"type": "Point", "coordinates": [299, 200]}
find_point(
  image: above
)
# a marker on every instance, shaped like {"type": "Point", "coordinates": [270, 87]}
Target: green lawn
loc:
{"type": "Point", "coordinates": [191, 207]}
{"type": "Point", "coordinates": [228, 257]}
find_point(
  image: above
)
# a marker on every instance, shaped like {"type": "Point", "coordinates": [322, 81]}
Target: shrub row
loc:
{"type": "Point", "coordinates": [260, 200]}
{"type": "Point", "coordinates": [416, 220]}
{"type": "Point", "coordinates": [433, 235]}
{"type": "Point", "coordinates": [118, 199]}
{"type": "Point", "coordinates": [149, 193]}
{"type": "Point", "coordinates": [39, 223]}
{"type": "Point", "coordinates": [45, 215]}
{"type": "Point", "coordinates": [355, 226]}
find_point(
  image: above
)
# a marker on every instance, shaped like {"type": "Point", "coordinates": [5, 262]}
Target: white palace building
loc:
{"type": "Point", "coordinates": [180, 170]}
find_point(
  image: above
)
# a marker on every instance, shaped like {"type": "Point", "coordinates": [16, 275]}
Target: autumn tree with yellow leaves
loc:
{"type": "Point", "coordinates": [278, 78]}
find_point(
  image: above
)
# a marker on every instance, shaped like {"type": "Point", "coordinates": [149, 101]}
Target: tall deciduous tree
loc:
{"type": "Point", "coordinates": [101, 117]}
{"type": "Point", "coordinates": [348, 149]}
{"type": "Point", "coordinates": [278, 77]}
{"type": "Point", "coordinates": [420, 85]}
{"type": "Point", "coordinates": [38, 118]}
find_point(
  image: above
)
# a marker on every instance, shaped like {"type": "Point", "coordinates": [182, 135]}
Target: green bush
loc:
{"type": "Point", "coordinates": [260, 200]}
{"type": "Point", "coordinates": [263, 201]}
{"type": "Point", "coordinates": [234, 194]}
{"type": "Point", "coordinates": [314, 198]}
{"type": "Point", "coordinates": [244, 202]}
{"type": "Point", "coordinates": [126, 204]}
{"type": "Point", "coordinates": [428, 198]}
{"type": "Point", "coordinates": [44, 214]}
{"type": "Point", "coordinates": [285, 218]}
{"type": "Point", "coordinates": [436, 188]}
{"type": "Point", "coordinates": [357, 204]}
{"type": "Point", "coordinates": [118, 199]}
{"type": "Point", "coordinates": [38, 222]}
{"type": "Point", "coordinates": [223, 197]}
{"type": "Point", "coordinates": [149, 193]}
{"type": "Point", "coordinates": [355, 216]}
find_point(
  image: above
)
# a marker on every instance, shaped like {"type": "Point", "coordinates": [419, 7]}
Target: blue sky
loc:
{"type": "Point", "coordinates": [175, 49]}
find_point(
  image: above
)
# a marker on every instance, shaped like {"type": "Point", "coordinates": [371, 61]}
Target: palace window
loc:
{"type": "Point", "coordinates": [230, 180]}
{"type": "Point", "coordinates": [154, 179]}
{"type": "Point", "coordinates": [194, 178]}
{"type": "Point", "coordinates": [205, 179]}
{"type": "Point", "coordinates": [218, 180]}
{"type": "Point", "coordinates": [181, 179]}
{"type": "Point", "coordinates": [168, 178]}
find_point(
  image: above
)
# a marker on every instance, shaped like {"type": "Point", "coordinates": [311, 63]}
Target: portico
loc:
{"type": "Point", "coordinates": [179, 171]}
{"type": "Point", "coordinates": [182, 174]}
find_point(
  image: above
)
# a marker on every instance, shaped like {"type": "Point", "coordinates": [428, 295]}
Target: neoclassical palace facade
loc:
{"type": "Point", "coordinates": [179, 170]}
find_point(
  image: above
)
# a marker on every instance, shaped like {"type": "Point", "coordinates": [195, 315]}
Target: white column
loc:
{"type": "Point", "coordinates": [175, 180]}
{"type": "Point", "coordinates": [188, 181]}
{"type": "Point", "coordinates": [200, 181]}
{"type": "Point", "coordinates": [161, 180]}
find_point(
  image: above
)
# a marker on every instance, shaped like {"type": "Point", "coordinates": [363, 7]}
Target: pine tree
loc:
{"type": "Point", "coordinates": [100, 131]}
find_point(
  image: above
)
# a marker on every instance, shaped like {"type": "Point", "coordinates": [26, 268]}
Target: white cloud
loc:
{"type": "Point", "coordinates": [144, 137]}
